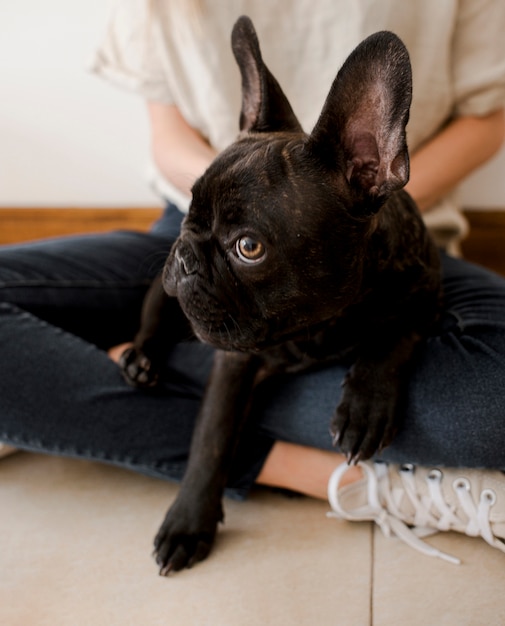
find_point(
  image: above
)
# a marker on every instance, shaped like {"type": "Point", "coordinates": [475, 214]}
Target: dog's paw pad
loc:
{"type": "Point", "coordinates": [138, 369]}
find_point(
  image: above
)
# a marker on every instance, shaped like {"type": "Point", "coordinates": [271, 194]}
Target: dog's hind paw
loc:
{"type": "Point", "coordinates": [138, 369]}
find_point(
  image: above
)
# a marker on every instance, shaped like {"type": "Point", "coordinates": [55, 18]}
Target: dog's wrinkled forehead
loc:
{"type": "Point", "coordinates": [248, 177]}
{"type": "Point", "coordinates": [268, 160]}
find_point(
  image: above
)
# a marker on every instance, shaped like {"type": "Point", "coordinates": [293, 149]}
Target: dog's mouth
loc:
{"type": "Point", "coordinates": [219, 323]}
{"type": "Point", "coordinates": [221, 329]}
{"type": "Point", "coordinates": [253, 334]}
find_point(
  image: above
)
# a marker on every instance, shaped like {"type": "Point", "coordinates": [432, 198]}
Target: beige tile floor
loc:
{"type": "Point", "coordinates": [75, 542]}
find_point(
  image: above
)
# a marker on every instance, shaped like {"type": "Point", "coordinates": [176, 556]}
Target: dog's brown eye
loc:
{"type": "Point", "coordinates": [250, 250]}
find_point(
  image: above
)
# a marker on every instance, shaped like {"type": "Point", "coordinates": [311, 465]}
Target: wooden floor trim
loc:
{"type": "Point", "coordinates": [486, 241]}
{"type": "Point", "coordinates": [26, 224]}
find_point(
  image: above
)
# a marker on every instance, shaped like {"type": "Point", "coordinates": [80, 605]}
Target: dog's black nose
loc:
{"type": "Point", "coordinates": [186, 258]}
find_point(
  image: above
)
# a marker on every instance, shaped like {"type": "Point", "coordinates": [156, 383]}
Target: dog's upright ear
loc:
{"type": "Point", "coordinates": [265, 108]}
{"type": "Point", "coordinates": [362, 125]}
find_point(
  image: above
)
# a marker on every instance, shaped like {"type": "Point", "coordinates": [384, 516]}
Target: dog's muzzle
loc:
{"type": "Point", "coordinates": [186, 259]}
{"type": "Point", "coordinates": [182, 263]}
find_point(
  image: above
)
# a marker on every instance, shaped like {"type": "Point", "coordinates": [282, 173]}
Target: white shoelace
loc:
{"type": "Point", "coordinates": [431, 512]}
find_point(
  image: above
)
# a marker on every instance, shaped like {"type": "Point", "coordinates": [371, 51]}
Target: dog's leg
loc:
{"type": "Point", "coordinates": [371, 409]}
{"type": "Point", "coordinates": [188, 531]}
{"type": "Point", "coordinates": [162, 325]}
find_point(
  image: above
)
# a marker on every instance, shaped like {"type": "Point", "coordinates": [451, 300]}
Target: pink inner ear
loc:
{"type": "Point", "coordinates": [251, 96]}
{"type": "Point", "coordinates": [364, 159]}
{"type": "Point", "coordinates": [364, 147]}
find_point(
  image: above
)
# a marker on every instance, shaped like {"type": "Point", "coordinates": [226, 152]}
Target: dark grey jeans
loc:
{"type": "Point", "coordinates": [64, 301]}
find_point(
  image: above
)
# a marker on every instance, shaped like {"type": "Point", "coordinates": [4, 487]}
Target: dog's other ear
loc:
{"type": "Point", "coordinates": [265, 108]}
{"type": "Point", "coordinates": [363, 121]}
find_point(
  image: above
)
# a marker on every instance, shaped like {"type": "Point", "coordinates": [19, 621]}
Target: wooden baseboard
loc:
{"type": "Point", "coordinates": [485, 244]}
{"type": "Point", "coordinates": [27, 224]}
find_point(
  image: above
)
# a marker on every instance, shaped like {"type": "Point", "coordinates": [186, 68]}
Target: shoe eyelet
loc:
{"type": "Point", "coordinates": [461, 483]}
{"type": "Point", "coordinates": [408, 468]}
{"type": "Point", "coordinates": [435, 474]}
{"type": "Point", "coordinates": [489, 496]}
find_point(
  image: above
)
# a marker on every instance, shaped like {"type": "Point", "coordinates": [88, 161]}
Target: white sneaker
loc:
{"type": "Point", "coordinates": [411, 502]}
{"type": "Point", "coordinates": [5, 450]}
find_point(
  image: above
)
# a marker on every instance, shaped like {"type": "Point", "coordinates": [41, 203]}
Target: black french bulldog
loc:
{"type": "Point", "coordinates": [297, 249]}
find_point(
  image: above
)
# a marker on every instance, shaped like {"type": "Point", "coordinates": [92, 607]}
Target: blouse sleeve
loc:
{"type": "Point", "coordinates": [479, 57]}
{"type": "Point", "coordinates": [128, 55]}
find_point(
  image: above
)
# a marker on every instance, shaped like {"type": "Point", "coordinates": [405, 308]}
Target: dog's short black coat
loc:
{"type": "Point", "coordinates": [297, 249]}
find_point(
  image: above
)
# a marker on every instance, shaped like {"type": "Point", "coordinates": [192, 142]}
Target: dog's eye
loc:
{"type": "Point", "coordinates": [250, 250]}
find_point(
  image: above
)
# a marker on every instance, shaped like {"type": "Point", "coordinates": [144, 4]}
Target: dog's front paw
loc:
{"type": "Point", "coordinates": [182, 541]}
{"type": "Point", "coordinates": [366, 419]}
{"type": "Point", "coordinates": [138, 369]}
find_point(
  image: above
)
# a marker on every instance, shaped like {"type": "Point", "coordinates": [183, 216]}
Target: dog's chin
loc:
{"type": "Point", "coordinates": [214, 324]}
{"type": "Point", "coordinates": [250, 337]}
{"type": "Point", "coordinates": [221, 337]}
{"type": "Point", "coordinates": [240, 331]}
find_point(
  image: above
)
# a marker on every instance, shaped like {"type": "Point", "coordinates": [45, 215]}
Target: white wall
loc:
{"type": "Point", "coordinates": [68, 138]}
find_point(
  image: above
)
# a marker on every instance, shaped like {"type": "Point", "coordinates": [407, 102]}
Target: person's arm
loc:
{"type": "Point", "coordinates": [459, 149]}
{"type": "Point", "coordinates": [179, 151]}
